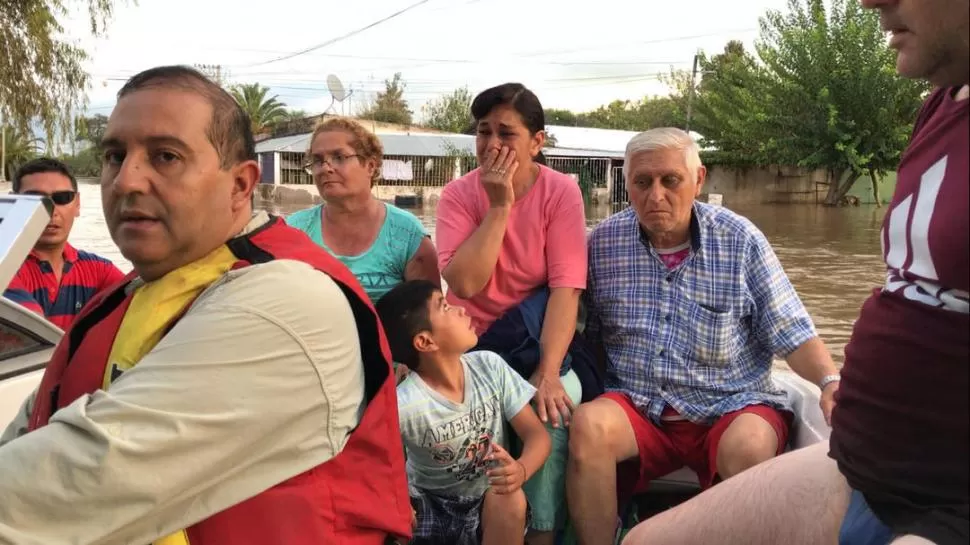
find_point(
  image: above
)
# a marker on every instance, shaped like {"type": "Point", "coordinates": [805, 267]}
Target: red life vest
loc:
{"type": "Point", "coordinates": [358, 497]}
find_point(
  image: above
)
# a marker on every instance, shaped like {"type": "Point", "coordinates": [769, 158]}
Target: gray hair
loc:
{"type": "Point", "coordinates": [663, 138]}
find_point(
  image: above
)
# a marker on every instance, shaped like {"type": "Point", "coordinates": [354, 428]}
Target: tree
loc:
{"type": "Point", "coordinates": [825, 94]}
{"type": "Point", "coordinates": [729, 107]}
{"type": "Point", "coordinates": [295, 115]}
{"type": "Point", "coordinates": [389, 106]}
{"type": "Point", "coordinates": [451, 112]}
{"type": "Point", "coordinates": [42, 75]}
{"type": "Point", "coordinates": [563, 117]}
{"type": "Point", "coordinates": [20, 147]}
{"type": "Point", "coordinates": [628, 115]}
{"type": "Point", "coordinates": [262, 111]}
{"type": "Point", "coordinates": [90, 129]}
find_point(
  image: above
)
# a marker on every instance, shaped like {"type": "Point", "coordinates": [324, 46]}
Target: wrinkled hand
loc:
{"type": "Point", "coordinates": [552, 401]}
{"type": "Point", "coordinates": [508, 475]}
{"type": "Point", "coordinates": [827, 401]}
{"type": "Point", "coordinates": [497, 170]}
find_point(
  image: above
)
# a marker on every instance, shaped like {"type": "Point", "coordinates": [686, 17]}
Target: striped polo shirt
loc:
{"type": "Point", "coordinates": [36, 287]}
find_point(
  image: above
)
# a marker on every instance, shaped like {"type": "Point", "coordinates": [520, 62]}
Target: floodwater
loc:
{"type": "Point", "coordinates": [831, 255]}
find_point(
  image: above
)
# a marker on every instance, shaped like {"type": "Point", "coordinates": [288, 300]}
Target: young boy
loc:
{"type": "Point", "coordinates": [465, 488]}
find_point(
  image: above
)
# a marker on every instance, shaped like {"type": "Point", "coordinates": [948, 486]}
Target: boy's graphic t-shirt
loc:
{"type": "Point", "coordinates": [447, 442]}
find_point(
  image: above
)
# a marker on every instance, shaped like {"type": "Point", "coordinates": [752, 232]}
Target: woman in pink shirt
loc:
{"type": "Point", "coordinates": [504, 231]}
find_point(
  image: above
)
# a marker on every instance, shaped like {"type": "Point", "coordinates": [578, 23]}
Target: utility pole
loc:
{"type": "Point", "coordinates": [693, 89]}
{"type": "Point", "coordinates": [690, 94]}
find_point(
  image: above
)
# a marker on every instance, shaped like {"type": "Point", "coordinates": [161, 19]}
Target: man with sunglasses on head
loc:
{"type": "Point", "coordinates": [57, 280]}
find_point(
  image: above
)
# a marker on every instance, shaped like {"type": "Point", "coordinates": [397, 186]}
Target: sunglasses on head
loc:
{"type": "Point", "coordinates": [60, 198]}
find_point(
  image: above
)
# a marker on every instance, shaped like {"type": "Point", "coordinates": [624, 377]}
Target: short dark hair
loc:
{"type": "Point", "coordinates": [41, 165]}
{"type": "Point", "coordinates": [230, 130]}
{"type": "Point", "coordinates": [521, 99]}
{"type": "Point", "coordinates": [404, 313]}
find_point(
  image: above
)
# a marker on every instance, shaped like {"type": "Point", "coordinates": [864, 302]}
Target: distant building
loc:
{"type": "Point", "coordinates": [418, 160]}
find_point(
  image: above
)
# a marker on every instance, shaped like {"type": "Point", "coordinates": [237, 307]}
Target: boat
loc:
{"type": "Point", "coordinates": [27, 341]}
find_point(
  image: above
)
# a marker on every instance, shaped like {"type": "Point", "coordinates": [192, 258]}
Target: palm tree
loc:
{"type": "Point", "coordinates": [18, 149]}
{"type": "Point", "coordinates": [295, 115]}
{"type": "Point", "coordinates": [262, 111]}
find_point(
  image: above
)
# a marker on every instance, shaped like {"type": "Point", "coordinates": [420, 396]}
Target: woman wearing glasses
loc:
{"type": "Point", "coordinates": [380, 243]}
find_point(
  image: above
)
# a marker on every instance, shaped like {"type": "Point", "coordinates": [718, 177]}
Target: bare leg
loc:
{"type": "Point", "coordinates": [601, 436]}
{"type": "Point", "coordinates": [747, 442]}
{"type": "Point", "coordinates": [799, 497]}
{"type": "Point", "coordinates": [503, 518]}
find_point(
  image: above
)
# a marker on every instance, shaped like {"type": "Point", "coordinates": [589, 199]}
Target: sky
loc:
{"type": "Point", "coordinates": [574, 55]}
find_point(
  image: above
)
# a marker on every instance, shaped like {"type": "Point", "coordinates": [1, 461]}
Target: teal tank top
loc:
{"type": "Point", "coordinates": [380, 267]}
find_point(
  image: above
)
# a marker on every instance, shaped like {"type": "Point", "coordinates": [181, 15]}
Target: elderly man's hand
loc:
{"type": "Point", "coordinates": [827, 401]}
{"type": "Point", "coordinates": [551, 398]}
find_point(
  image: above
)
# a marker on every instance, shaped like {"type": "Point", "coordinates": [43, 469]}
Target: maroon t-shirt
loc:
{"type": "Point", "coordinates": [900, 429]}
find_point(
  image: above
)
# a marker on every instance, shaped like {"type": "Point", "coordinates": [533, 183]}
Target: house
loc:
{"type": "Point", "coordinates": [421, 161]}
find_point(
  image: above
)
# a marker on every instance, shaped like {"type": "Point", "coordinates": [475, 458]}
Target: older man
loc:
{"type": "Point", "coordinates": [236, 388]}
{"type": "Point", "coordinates": [896, 467]}
{"type": "Point", "coordinates": [690, 305]}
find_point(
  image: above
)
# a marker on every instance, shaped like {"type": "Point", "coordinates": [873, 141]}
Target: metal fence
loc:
{"type": "Point", "coordinates": [619, 195]}
{"type": "Point", "coordinates": [396, 171]}
{"type": "Point", "coordinates": [591, 173]}
{"type": "Point", "coordinates": [423, 171]}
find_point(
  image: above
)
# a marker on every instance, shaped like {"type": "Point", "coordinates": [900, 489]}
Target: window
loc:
{"type": "Point", "coordinates": [15, 341]}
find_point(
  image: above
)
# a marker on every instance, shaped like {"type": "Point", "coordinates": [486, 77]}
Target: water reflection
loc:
{"type": "Point", "coordinates": [831, 255]}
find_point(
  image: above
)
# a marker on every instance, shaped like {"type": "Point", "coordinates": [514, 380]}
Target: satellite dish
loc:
{"type": "Point", "coordinates": [336, 88]}
{"type": "Point", "coordinates": [337, 91]}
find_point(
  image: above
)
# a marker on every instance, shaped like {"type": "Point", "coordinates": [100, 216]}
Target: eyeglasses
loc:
{"type": "Point", "coordinates": [335, 161]}
{"type": "Point", "coordinates": [60, 198]}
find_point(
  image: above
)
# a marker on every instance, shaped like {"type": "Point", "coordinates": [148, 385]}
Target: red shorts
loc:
{"type": "Point", "coordinates": [675, 444]}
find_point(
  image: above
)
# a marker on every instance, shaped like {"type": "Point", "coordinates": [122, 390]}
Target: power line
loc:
{"type": "Point", "coordinates": [339, 38]}
{"type": "Point", "coordinates": [641, 42]}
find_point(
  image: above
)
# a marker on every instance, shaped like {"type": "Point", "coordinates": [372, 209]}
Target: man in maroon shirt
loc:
{"type": "Point", "coordinates": [57, 280]}
{"type": "Point", "coordinates": [895, 469]}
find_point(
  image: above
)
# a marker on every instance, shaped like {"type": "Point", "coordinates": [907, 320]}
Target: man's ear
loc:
{"type": "Point", "coordinates": [701, 178]}
{"type": "Point", "coordinates": [245, 178]}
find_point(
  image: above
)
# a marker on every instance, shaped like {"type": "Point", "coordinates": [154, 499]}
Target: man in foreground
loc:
{"type": "Point", "coordinates": [57, 280]}
{"type": "Point", "coordinates": [690, 306]}
{"type": "Point", "coordinates": [895, 469]}
{"type": "Point", "coordinates": [236, 389]}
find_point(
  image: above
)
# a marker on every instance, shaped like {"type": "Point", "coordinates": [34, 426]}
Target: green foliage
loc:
{"type": "Point", "coordinates": [42, 76]}
{"type": "Point", "coordinates": [85, 163]}
{"type": "Point", "coordinates": [451, 112]}
{"type": "Point", "coordinates": [20, 147]}
{"type": "Point", "coordinates": [90, 129]}
{"type": "Point", "coordinates": [263, 111]}
{"type": "Point", "coordinates": [467, 160]}
{"type": "Point", "coordinates": [389, 106]}
{"type": "Point", "coordinates": [629, 115]}
{"type": "Point", "coordinates": [825, 94]}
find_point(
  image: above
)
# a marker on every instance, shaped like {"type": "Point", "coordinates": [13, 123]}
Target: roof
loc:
{"type": "Point", "coordinates": [418, 144]}
{"type": "Point", "coordinates": [586, 138]}
{"type": "Point", "coordinates": [567, 152]}
{"type": "Point", "coordinates": [570, 142]}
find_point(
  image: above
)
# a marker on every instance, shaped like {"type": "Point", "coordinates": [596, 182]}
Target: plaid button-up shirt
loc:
{"type": "Point", "coordinates": [699, 338]}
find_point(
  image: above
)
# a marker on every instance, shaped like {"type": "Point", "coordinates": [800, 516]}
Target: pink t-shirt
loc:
{"type": "Point", "coordinates": [544, 244]}
{"type": "Point", "coordinates": [672, 257]}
